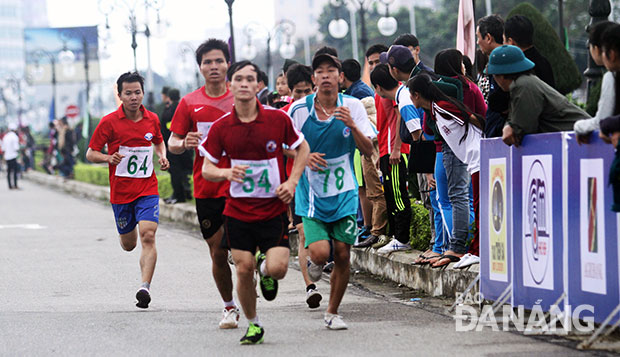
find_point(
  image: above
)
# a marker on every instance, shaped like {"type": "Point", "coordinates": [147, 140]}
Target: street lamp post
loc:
{"type": "Point", "coordinates": [133, 29]}
{"type": "Point", "coordinates": [599, 11]}
{"type": "Point", "coordinates": [287, 50]}
{"type": "Point", "coordinates": [38, 54]}
{"type": "Point", "coordinates": [232, 33]}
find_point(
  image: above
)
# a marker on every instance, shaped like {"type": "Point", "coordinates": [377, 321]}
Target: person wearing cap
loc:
{"type": "Point", "coordinates": [413, 44]}
{"type": "Point", "coordinates": [10, 146]}
{"type": "Point", "coordinates": [327, 194]}
{"type": "Point", "coordinates": [535, 107]}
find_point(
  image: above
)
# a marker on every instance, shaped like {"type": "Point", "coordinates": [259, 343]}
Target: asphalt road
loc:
{"type": "Point", "coordinates": [67, 288]}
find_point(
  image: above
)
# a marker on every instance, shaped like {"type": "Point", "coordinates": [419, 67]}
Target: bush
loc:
{"type": "Point", "coordinates": [595, 95]}
{"type": "Point", "coordinates": [547, 41]}
{"type": "Point", "coordinates": [420, 229]}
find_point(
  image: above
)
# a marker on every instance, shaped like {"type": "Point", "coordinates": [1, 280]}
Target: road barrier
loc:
{"type": "Point", "coordinates": [548, 236]}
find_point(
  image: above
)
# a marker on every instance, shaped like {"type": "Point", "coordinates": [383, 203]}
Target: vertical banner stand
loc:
{"type": "Point", "coordinates": [595, 336]}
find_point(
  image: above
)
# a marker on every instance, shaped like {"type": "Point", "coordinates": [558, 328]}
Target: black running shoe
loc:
{"type": "Point", "coordinates": [268, 285]}
{"type": "Point", "coordinates": [372, 239]}
{"type": "Point", "coordinates": [253, 336]}
{"type": "Point", "coordinates": [144, 298]}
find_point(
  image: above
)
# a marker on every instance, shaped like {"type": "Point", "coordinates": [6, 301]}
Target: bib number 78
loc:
{"type": "Point", "coordinates": [338, 173]}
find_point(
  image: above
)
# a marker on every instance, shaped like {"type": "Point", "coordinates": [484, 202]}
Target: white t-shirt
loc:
{"type": "Point", "coordinates": [452, 129]}
{"type": "Point", "coordinates": [10, 145]}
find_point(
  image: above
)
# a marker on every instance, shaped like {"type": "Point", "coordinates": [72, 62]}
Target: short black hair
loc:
{"type": "Point", "coordinates": [520, 29]}
{"type": "Point", "coordinates": [595, 33]}
{"type": "Point", "coordinates": [298, 73]}
{"type": "Point", "coordinates": [174, 94]}
{"type": "Point", "coordinates": [407, 40]}
{"type": "Point", "coordinates": [262, 77]}
{"type": "Point", "coordinates": [235, 67]}
{"type": "Point", "coordinates": [164, 90]}
{"type": "Point", "coordinates": [287, 64]}
{"type": "Point", "coordinates": [380, 76]}
{"type": "Point", "coordinates": [352, 70]}
{"type": "Point", "coordinates": [492, 25]}
{"type": "Point", "coordinates": [376, 48]}
{"type": "Point", "coordinates": [327, 49]}
{"type": "Point", "coordinates": [129, 77]}
{"type": "Point", "coordinates": [210, 45]}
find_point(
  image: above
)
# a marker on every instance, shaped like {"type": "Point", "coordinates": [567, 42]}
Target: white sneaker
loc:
{"type": "Point", "coordinates": [459, 264]}
{"type": "Point", "coordinates": [230, 318]}
{"type": "Point", "coordinates": [315, 271]}
{"type": "Point", "coordinates": [334, 322]}
{"type": "Point", "coordinates": [313, 298]}
{"type": "Point", "coordinates": [393, 246]}
{"type": "Point", "coordinates": [469, 261]}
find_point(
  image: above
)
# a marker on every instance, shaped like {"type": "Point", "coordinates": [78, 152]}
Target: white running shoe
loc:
{"type": "Point", "coordinates": [334, 322]}
{"type": "Point", "coordinates": [315, 271]}
{"type": "Point", "coordinates": [313, 298]}
{"type": "Point", "coordinates": [458, 264]}
{"type": "Point", "coordinates": [393, 246]}
{"type": "Point", "coordinates": [230, 318]}
{"type": "Point", "coordinates": [467, 260]}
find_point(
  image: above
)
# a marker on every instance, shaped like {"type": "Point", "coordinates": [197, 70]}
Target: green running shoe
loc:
{"type": "Point", "coordinates": [253, 336]}
{"type": "Point", "coordinates": [268, 285]}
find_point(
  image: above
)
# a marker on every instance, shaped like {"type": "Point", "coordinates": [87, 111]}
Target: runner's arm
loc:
{"type": "Point", "coordinates": [286, 191]}
{"type": "Point", "coordinates": [177, 144]}
{"type": "Point", "coordinates": [99, 157]}
{"type": "Point", "coordinates": [160, 149]}
{"type": "Point", "coordinates": [210, 172]}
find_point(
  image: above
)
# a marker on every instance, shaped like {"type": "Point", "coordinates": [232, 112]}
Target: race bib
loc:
{"type": "Point", "coordinates": [333, 180]}
{"type": "Point", "coordinates": [203, 128]}
{"type": "Point", "coordinates": [260, 181]}
{"type": "Point", "coordinates": [137, 163]}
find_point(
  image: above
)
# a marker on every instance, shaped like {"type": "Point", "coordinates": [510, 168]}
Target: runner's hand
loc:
{"type": "Point", "coordinates": [286, 192]}
{"type": "Point", "coordinates": [192, 140]}
{"type": "Point", "coordinates": [236, 173]}
{"type": "Point", "coordinates": [344, 114]}
{"type": "Point", "coordinates": [395, 157]}
{"type": "Point", "coordinates": [316, 161]}
{"type": "Point", "coordinates": [115, 158]}
{"type": "Point", "coordinates": [164, 163]}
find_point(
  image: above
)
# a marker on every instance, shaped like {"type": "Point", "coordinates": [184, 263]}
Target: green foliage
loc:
{"type": "Point", "coordinates": [420, 229]}
{"type": "Point", "coordinates": [595, 94]}
{"type": "Point", "coordinates": [546, 40]}
{"type": "Point", "coordinates": [97, 175]}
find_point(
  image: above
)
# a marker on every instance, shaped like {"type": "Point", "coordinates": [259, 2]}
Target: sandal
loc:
{"type": "Point", "coordinates": [451, 259]}
{"type": "Point", "coordinates": [425, 259]}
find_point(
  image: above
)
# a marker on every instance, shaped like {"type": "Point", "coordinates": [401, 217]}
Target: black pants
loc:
{"type": "Point", "coordinates": [12, 169]}
{"type": "Point", "coordinates": [396, 197]}
{"type": "Point", "coordinates": [180, 169]}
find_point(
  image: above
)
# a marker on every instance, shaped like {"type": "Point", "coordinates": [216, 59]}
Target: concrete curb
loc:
{"type": "Point", "coordinates": [396, 266]}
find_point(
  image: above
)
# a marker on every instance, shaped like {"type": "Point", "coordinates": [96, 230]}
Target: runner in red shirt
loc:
{"type": "Point", "coordinates": [191, 123]}
{"type": "Point", "coordinates": [130, 133]}
{"type": "Point", "coordinates": [252, 136]}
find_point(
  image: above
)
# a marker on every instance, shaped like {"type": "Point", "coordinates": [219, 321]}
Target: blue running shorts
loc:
{"type": "Point", "coordinates": [127, 215]}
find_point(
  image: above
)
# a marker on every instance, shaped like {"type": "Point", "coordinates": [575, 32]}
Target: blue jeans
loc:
{"type": "Point", "coordinates": [442, 207]}
{"type": "Point", "coordinates": [459, 194]}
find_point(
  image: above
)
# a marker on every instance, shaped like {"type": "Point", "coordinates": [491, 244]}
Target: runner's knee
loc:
{"type": "Point", "coordinates": [277, 270]}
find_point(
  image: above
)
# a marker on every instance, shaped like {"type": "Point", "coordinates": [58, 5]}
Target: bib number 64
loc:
{"type": "Point", "coordinates": [132, 165]}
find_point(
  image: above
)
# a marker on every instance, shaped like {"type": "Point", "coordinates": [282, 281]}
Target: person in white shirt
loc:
{"type": "Point", "coordinates": [10, 146]}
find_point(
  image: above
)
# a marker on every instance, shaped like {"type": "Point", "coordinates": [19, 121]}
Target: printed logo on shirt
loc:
{"type": "Point", "coordinates": [346, 132]}
{"type": "Point", "coordinates": [271, 146]}
{"type": "Point", "coordinates": [148, 136]}
{"type": "Point", "coordinates": [196, 110]}
{"type": "Point", "coordinates": [446, 130]}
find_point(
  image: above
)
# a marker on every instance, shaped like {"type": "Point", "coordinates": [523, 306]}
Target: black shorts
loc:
{"type": "Point", "coordinates": [296, 218]}
{"type": "Point", "coordinates": [210, 218]}
{"type": "Point", "coordinates": [250, 235]}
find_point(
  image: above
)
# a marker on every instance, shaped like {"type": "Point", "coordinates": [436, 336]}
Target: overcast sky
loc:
{"type": "Point", "coordinates": [189, 20]}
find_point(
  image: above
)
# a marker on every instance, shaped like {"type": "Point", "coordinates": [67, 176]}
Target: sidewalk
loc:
{"type": "Point", "coordinates": [396, 266]}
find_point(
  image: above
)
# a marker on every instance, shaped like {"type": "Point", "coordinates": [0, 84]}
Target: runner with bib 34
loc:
{"type": "Point", "coordinates": [130, 134]}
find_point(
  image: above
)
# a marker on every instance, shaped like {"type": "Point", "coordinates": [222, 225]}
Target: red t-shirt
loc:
{"type": "Point", "coordinates": [257, 144]}
{"type": "Point", "coordinates": [197, 112]}
{"type": "Point", "coordinates": [134, 177]}
{"type": "Point", "coordinates": [386, 126]}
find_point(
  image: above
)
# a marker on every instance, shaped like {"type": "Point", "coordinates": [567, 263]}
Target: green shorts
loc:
{"type": "Point", "coordinates": [344, 230]}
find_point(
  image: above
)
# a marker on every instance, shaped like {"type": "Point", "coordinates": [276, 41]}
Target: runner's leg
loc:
{"type": "Point", "coordinates": [245, 265]}
{"type": "Point", "coordinates": [220, 268]}
{"type": "Point", "coordinates": [340, 275]}
{"type": "Point", "coordinates": [276, 262]}
{"type": "Point", "coordinates": [129, 240]}
{"type": "Point", "coordinates": [148, 257]}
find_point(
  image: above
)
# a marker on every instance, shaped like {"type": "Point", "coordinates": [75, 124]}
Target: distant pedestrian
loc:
{"type": "Point", "coordinates": [10, 146]}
